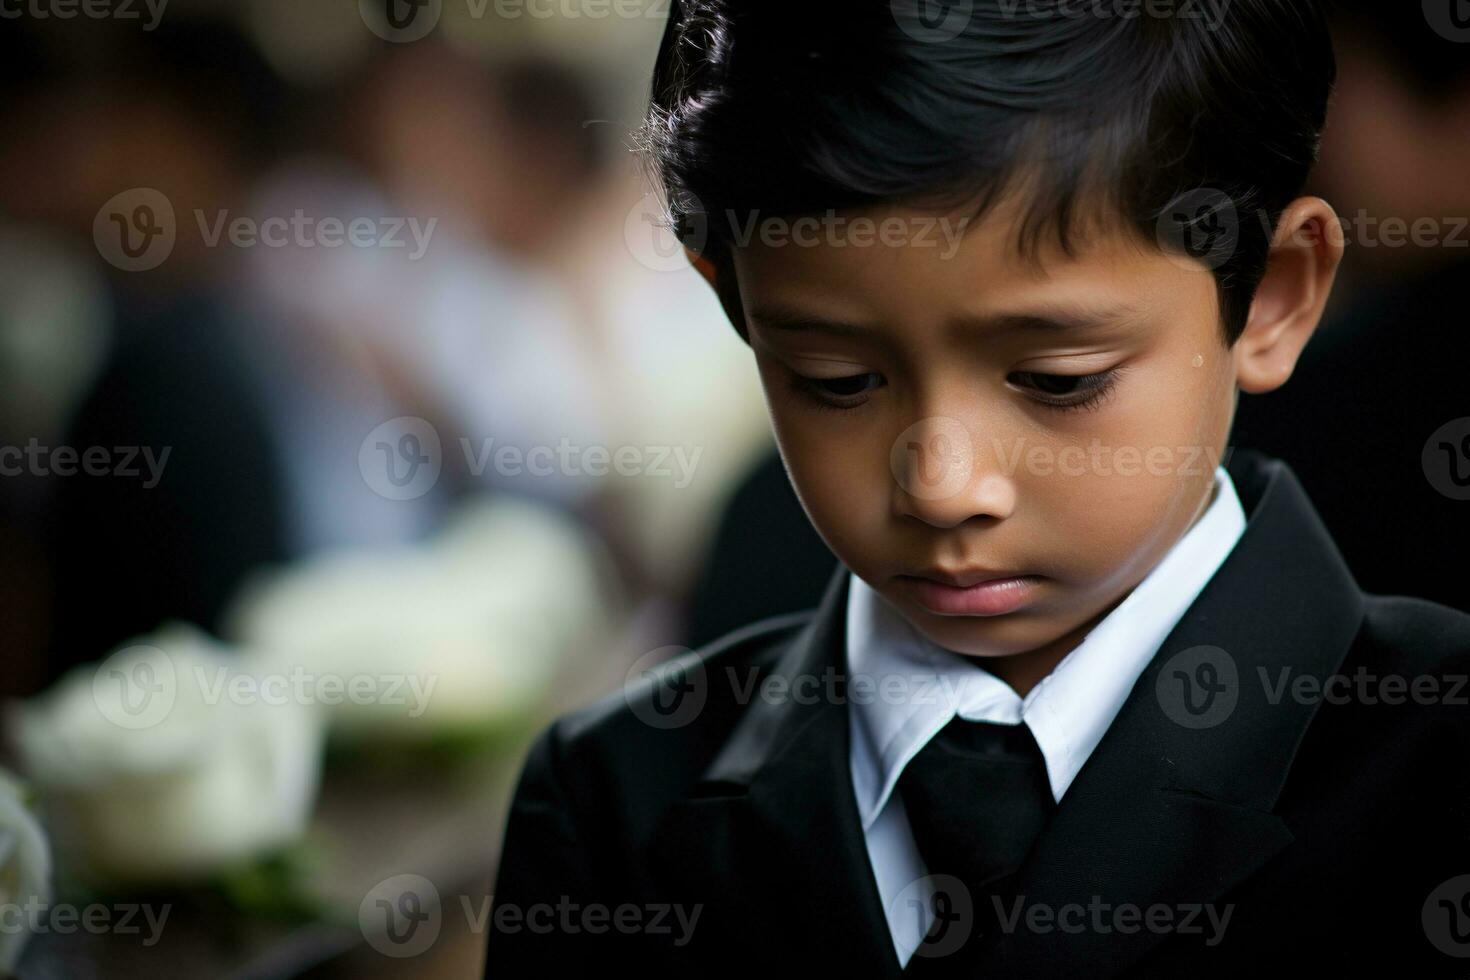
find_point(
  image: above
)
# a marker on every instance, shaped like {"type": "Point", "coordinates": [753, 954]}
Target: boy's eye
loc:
{"type": "Point", "coordinates": [1053, 384]}
{"type": "Point", "coordinates": [854, 384]}
{"type": "Point", "coordinates": [1066, 390]}
{"type": "Point", "coordinates": [844, 392]}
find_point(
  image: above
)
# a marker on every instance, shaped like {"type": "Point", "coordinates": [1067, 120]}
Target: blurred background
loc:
{"type": "Point", "coordinates": [358, 416]}
{"type": "Point", "coordinates": [340, 346]}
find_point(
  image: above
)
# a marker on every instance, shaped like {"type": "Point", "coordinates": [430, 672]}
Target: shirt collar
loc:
{"type": "Point", "coordinates": [903, 688]}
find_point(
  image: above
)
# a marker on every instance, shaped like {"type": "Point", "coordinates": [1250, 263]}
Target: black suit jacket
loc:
{"type": "Point", "coordinates": [1323, 827]}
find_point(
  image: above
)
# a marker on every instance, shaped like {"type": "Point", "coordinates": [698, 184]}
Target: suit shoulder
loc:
{"type": "Point", "coordinates": [1416, 636]}
{"type": "Point", "coordinates": [670, 716]}
{"type": "Point", "coordinates": [677, 691]}
{"type": "Point", "coordinates": [1402, 713]}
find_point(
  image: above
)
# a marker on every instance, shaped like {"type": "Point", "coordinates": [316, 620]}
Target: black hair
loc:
{"type": "Point", "coordinates": [1204, 120]}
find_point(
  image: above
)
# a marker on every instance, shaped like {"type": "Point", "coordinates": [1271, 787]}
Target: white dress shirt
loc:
{"type": "Point", "coordinates": [914, 688]}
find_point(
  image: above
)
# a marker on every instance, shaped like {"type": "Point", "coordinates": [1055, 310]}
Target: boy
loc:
{"type": "Point", "coordinates": [1079, 701]}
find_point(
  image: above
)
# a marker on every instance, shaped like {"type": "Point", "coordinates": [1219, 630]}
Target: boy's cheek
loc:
{"type": "Point", "coordinates": [847, 506]}
{"type": "Point", "coordinates": [1093, 528]}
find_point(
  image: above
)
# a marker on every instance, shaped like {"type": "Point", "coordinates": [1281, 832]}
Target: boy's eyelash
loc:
{"type": "Point", "coordinates": [821, 398]}
{"type": "Point", "coordinates": [1093, 390]}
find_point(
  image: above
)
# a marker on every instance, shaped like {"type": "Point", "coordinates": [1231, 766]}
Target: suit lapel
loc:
{"type": "Point", "coordinates": [771, 835]}
{"type": "Point", "coordinates": [1174, 808]}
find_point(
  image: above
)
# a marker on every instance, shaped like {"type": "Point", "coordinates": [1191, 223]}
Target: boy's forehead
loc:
{"type": "Point", "coordinates": [1009, 236]}
{"type": "Point", "coordinates": [900, 255]}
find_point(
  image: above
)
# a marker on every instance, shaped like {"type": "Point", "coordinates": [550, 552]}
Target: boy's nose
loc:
{"type": "Point", "coordinates": [940, 478]}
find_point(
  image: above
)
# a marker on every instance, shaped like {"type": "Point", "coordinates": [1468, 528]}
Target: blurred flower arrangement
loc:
{"type": "Point", "coordinates": [455, 642]}
{"type": "Point", "coordinates": [181, 759]}
{"type": "Point", "coordinates": [160, 770]}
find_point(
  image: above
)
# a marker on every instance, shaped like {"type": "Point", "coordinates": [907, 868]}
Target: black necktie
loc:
{"type": "Point", "coordinates": [977, 796]}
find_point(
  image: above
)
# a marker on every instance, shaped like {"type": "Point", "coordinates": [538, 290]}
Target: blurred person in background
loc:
{"type": "Point", "coordinates": [493, 159]}
{"type": "Point", "coordinates": [184, 110]}
{"type": "Point", "coordinates": [512, 311]}
{"type": "Point", "coordinates": [265, 370]}
{"type": "Point", "coordinates": [538, 320]}
{"type": "Point", "coordinates": [261, 371]}
{"type": "Point", "coordinates": [53, 316]}
{"type": "Point", "coordinates": [532, 308]}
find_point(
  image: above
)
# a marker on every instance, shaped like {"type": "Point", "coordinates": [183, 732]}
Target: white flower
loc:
{"type": "Point", "coordinates": [456, 635]}
{"type": "Point", "coordinates": [25, 867]}
{"type": "Point", "coordinates": [166, 761]}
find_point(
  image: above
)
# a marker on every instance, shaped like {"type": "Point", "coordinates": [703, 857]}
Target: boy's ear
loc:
{"type": "Point", "coordinates": [727, 292]}
{"type": "Point", "coordinates": [1305, 253]}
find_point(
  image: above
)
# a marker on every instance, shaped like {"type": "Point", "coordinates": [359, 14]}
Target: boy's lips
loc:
{"type": "Point", "coordinates": [974, 592]}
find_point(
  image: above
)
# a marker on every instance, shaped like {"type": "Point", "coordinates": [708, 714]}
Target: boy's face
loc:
{"type": "Point", "coordinates": [1051, 427]}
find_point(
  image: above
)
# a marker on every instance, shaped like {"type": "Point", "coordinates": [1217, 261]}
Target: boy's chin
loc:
{"type": "Point", "coordinates": [987, 637]}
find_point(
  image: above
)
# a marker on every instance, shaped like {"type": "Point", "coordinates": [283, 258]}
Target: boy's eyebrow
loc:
{"type": "Point", "coordinates": [1056, 317]}
{"type": "Point", "coordinates": [783, 318]}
